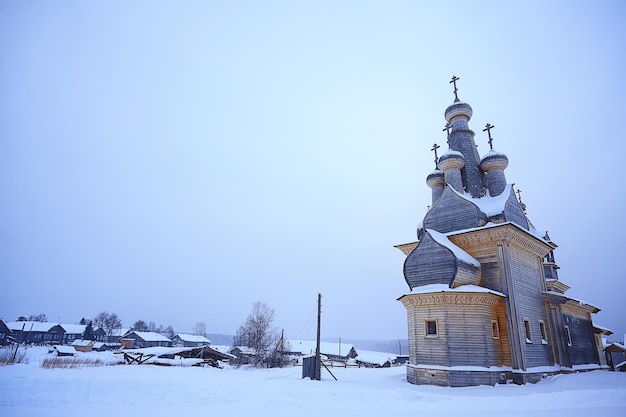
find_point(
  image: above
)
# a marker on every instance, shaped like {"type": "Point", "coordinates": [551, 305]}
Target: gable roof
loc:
{"type": "Point", "coordinates": [82, 342]}
{"type": "Point", "coordinates": [73, 328]}
{"type": "Point", "coordinates": [29, 326]}
{"type": "Point", "coordinates": [192, 338]}
{"type": "Point", "coordinates": [148, 336]}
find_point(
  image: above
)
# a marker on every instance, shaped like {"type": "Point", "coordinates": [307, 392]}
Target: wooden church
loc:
{"type": "Point", "coordinates": [486, 305]}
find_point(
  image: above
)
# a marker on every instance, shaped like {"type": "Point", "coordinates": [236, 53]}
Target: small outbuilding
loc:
{"type": "Point", "coordinates": [81, 345]}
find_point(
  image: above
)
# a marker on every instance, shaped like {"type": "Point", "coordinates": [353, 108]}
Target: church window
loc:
{"type": "Point", "coordinates": [529, 338]}
{"type": "Point", "coordinates": [431, 328]}
{"type": "Point", "coordinates": [568, 335]}
{"type": "Point", "coordinates": [542, 329]}
{"type": "Point", "coordinates": [495, 330]}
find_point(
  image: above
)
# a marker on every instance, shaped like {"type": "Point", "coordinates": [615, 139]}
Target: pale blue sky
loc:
{"type": "Point", "coordinates": [177, 161]}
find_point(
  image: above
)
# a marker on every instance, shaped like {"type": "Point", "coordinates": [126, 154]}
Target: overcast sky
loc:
{"type": "Point", "coordinates": [178, 161]}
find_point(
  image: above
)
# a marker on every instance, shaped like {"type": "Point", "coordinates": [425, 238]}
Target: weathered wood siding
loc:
{"type": "Point", "coordinates": [464, 333]}
{"type": "Point", "coordinates": [514, 213]}
{"type": "Point", "coordinates": [487, 255]}
{"type": "Point", "coordinates": [529, 285]}
{"type": "Point", "coordinates": [521, 258]}
{"type": "Point", "coordinates": [429, 263]}
{"type": "Point", "coordinates": [583, 350]}
{"type": "Point", "coordinates": [450, 213]}
{"type": "Point", "coordinates": [466, 274]}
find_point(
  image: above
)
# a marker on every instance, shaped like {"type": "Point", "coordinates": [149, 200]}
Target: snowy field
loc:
{"type": "Point", "coordinates": [148, 390]}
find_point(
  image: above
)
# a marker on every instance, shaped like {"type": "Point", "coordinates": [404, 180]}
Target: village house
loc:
{"type": "Point", "coordinates": [486, 304]}
{"type": "Point", "coordinates": [5, 334]}
{"type": "Point", "coordinates": [243, 355]}
{"type": "Point", "coordinates": [29, 332]}
{"type": "Point", "coordinates": [190, 340]}
{"type": "Point", "coordinates": [137, 340]}
{"type": "Point", "coordinates": [64, 334]}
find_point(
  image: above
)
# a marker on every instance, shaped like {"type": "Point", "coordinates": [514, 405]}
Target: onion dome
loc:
{"type": "Point", "coordinates": [458, 110]}
{"type": "Point", "coordinates": [494, 160]}
{"type": "Point", "coordinates": [451, 159]}
{"type": "Point", "coordinates": [435, 179]}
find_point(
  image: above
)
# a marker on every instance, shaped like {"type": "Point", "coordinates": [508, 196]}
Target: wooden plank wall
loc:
{"type": "Point", "coordinates": [452, 212]}
{"type": "Point", "coordinates": [529, 284]}
{"type": "Point", "coordinates": [429, 263]}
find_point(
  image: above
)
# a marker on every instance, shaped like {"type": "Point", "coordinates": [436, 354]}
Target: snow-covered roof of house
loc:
{"type": "Point", "coordinates": [193, 338]}
{"type": "Point", "coordinates": [149, 336]}
{"type": "Point", "coordinates": [243, 349]}
{"type": "Point", "coordinates": [435, 288]}
{"type": "Point", "coordinates": [458, 252]}
{"type": "Point", "coordinates": [30, 326]}
{"type": "Point", "coordinates": [73, 328]}
{"type": "Point", "coordinates": [65, 349]}
{"type": "Point", "coordinates": [377, 358]}
{"type": "Point", "coordinates": [82, 342]}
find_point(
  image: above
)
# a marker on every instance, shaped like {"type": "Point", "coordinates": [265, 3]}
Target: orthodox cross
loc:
{"type": "Point", "coordinates": [434, 148]}
{"type": "Point", "coordinates": [519, 195]}
{"type": "Point", "coordinates": [453, 81]}
{"type": "Point", "coordinates": [487, 129]}
{"type": "Point", "coordinates": [447, 129]}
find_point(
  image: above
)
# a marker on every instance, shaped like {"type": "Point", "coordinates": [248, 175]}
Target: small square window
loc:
{"type": "Point", "coordinates": [529, 338]}
{"type": "Point", "coordinates": [495, 329]}
{"type": "Point", "coordinates": [542, 330]}
{"type": "Point", "coordinates": [431, 328]}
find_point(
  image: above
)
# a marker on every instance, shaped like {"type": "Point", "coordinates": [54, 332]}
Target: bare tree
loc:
{"type": "Point", "coordinates": [169, 332]}
{"type": "Point", "coordinates": [199, 329]}
{"type": "Point", "coordinates": [109, 322]}
{"type": "Point", "coordinates": [38, 317]}
{"type": "Point", "coordinates": [257, 333]}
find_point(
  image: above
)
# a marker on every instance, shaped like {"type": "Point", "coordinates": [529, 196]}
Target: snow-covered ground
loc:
{"type": "Point", "coordinates": [148, 390]}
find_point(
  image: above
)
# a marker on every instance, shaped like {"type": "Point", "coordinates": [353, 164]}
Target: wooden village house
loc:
{"type": "Point", "coordinates": [190, 340]}
{"type": "Point", "coordinates": [30, 332]}
{"type": "Point", "coordinates": [65, 334]}
{"type": "Point", "coordinates": [137, 340]}
{"type": "Point", "coordinates": [486, 304]}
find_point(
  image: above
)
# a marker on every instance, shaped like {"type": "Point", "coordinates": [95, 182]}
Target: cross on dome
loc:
{"type": "Point", "coordinates": [447, 130]}
{"type": "Point", "coordinates": [434, 148]}
{"type": "Point", "coordinates": [453, 81]}
{"type": "Point", "coordinates": [487, 129]}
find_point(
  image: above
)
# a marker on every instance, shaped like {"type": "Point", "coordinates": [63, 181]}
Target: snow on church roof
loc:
{"type": "Point", "coordinates": [458, 252]}
{"type": "Point", "coordinates": [491, 206]}
{"type": "Point", "coordinates": [435, 288]}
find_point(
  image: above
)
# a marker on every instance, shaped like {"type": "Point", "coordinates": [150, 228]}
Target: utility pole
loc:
{"type": "Point", "coordinates": [318, 362]}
